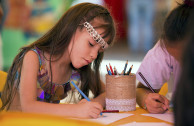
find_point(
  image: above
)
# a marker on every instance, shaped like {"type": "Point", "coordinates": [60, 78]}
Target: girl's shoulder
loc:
{"type": "Point", "coordinates": [31, 55]}
{"type": "Point", "coordinates": [157, 52]}
{"type": "Point", "coordinates": [30, 62]}
{"type": "Point", "coordinates": [39, 53]}
{"type": "Point", "coordinates": [36, 58]}
{"type": "Point", "coordinates": [37, 50]}
{"type": "Point", "coordinates": [157, 57]}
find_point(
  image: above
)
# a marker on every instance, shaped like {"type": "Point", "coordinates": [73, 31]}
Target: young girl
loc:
{"type": "Point", "coordinates": [162, 61]}
{"type": "Point", "coordinates": [71, 51]}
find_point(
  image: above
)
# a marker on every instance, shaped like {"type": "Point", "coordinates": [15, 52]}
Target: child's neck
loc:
{"type": "Point", "coordinates": [61, 68]}
{"type": "Point", "coordinates": [62, 61]}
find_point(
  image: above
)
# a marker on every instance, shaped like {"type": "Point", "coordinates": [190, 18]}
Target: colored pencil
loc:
{"type": "Point", "coordinates": [111, 69]}
{"type": "Point", "coordinates": [109, 111]}
{"type": "Point", "coordinates": [141, 75]}
{"type": "Point", "coordinates": [80, 91]}
{"type": "Point", "coordinates": [108, 70]}
{"type": "Point", "coordinates": [149, 86]}
{"type": "Point", "coordinates": [115, 71]}
{"type": "Point", "coordinates": [125, 67]}
{"type": "Point", "coordinates": [130, 70]}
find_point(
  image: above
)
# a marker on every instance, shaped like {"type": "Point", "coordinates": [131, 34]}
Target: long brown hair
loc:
{"type": "Point", "coordinates": [56, 41]}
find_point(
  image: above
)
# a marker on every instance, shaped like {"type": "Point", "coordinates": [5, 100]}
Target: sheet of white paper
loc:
{"type": "Point", "coordinates": [109, 118]}
{"type": "Point", "coordinates": [166, 116]}
{"type": "Point", "coordinates": [145, 124]}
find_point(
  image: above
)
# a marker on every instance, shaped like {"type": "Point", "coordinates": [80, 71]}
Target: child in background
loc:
{"type": "Point", "coordinates": [71, 51]}
{"type": "Point", "coordinates": [162, 61]}
{"type": "Point", "coordinates": [183, 100]}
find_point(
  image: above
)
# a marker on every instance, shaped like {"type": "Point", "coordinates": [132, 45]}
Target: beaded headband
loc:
{"type": "Point", "coordinates": [93, 33]}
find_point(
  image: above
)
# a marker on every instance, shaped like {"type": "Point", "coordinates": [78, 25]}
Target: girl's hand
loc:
{"type": "Point", "coordinates": [82, 101]}
{"type": "Point", "coordinates": [156, 103]}
{"type": "Point", "coordinates": [88, 109]}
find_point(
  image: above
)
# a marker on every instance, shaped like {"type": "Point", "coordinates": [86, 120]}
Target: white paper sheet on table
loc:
{"type": "Point", "coordinates": [168, 116]}
{"type": "Point", "coordinates": [109, 118]}
{"type": "Point", "coordinates": [145, 124]}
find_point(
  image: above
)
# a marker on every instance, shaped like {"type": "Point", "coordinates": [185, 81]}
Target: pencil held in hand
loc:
{"type": "Point", "coordinates": [141, 75]}
{"type": "Point", "coordinates": [82, 93]}
{"type": "Point", "coordinates": [157, 100]}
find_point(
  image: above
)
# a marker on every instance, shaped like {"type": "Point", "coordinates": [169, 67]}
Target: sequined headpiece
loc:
{"type": "Point", "coordinates": [95, 35]}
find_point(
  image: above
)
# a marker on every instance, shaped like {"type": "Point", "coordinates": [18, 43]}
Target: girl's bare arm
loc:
{"type": "Point", "coordinates": [28, 95]}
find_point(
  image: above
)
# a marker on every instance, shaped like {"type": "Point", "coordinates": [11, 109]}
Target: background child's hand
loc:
{"type": "Point", "coordinates": [88, 109]}
{"type": "Point", "coordinates": [156, 103]}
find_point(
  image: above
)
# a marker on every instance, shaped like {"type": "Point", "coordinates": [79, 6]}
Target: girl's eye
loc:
{"type": "Point", "coordinates": [91, 44]}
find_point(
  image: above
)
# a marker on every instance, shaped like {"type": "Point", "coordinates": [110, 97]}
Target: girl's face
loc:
{"type": "Point", "coordinates": [176, 51]}
{"type": "Point", "coordinates": [83, 49]}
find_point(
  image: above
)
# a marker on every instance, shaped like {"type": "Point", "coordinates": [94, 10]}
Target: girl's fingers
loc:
{"type": "Point", "coordinates": [83, 101]}
{"type": "Point", "coordinates": [98, 106]}
{"type": "Point", "coordinates": [156, 103]}
{"type": "Point", "coordinates": [158, 97]}
{"type": "Point", "coordinates": [156, 110]}
{"type": "Point", "coordinates": [166, 102]}
{"type": "Point", "coordinates": [94, 113]}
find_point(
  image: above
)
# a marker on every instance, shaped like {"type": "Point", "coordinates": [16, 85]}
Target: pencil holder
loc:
{"type": "Point", "coordinates": [121, 92]}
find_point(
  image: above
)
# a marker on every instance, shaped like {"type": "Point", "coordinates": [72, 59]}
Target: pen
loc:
{"type": "Point", "coordinates": [82, 93]}
{"type": "Point", "coordinates": [109, 111]}
{"type": "Point", "coordinates": [125, 67]}
{"type": "Point", "coordinates": [130, 70]}
{"type": "Point", "coordinates": [111, 69]}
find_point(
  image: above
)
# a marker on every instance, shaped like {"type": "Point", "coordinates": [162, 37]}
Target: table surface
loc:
{"type": "Point", "coordinates": [23, 119]}
{"type": "Point", "coordinates": [137, 117]}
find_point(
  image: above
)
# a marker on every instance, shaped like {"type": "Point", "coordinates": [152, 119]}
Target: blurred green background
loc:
{"type": "Point", "coordinates": [26, 21]}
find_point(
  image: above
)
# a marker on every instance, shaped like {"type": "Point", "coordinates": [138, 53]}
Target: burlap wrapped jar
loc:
{"type": "Point", "coordinates": [121, 92]}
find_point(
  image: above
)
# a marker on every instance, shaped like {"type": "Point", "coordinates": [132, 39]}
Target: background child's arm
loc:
{"type": "Point", "coordinates": [28, 95]}
{"type": "Point", "coordinates": [101, 98]}
{"type": "Point", "coordinates": [154, 102]}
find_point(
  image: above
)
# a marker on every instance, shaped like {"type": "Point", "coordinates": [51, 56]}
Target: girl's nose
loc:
{"type": "Point", "coordinates": [94, 54]}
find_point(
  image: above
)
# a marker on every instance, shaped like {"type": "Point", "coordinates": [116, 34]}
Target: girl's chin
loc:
{"type": "Point", "coordinates": [77, 66]}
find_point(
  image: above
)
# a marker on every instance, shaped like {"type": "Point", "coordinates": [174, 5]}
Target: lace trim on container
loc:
{"type": "Point", "coordinates": [121, 104]}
